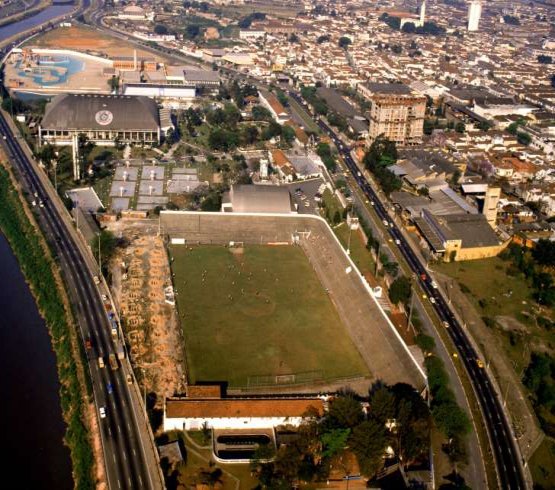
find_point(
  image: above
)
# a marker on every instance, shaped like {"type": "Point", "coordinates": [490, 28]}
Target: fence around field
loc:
{"type": "Point", "coordinates": [309, 379]}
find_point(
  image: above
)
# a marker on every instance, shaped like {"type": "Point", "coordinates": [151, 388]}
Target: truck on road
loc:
{"type": "Point", "coordinates": [100, 362]}
{"type": "Point", "coordinates": [120, 351]}
{"type": "Point", "coordinates": [113, 362]}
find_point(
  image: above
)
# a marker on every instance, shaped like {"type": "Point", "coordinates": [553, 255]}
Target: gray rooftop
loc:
{"type": "Point", "coordinates": [389, 88]}
{"type": "Point", "coordinates": [116, 112]}
{"type": "Point", "coordinates": [260, 199]}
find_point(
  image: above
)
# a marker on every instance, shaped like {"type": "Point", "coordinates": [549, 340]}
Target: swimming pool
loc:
{"type": "Point", "coordinates": [50, 70]}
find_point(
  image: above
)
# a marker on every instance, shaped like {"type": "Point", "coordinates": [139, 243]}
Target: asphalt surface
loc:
{"type": "Point", "coordinates": [508, 461]}
{"type": "Point", "coordinates": [121, 440]}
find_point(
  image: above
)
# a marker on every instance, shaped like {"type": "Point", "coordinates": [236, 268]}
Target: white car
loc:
{"type": "Point", "coordinates": [385, 222]}
{"type": "Point", "coordinates": [104, 297]}
{"type": "Point", "coordinates": [446, 324]}
{"type": "Point", "coordinates": [398, 242]}
{"type": "Point", "coordinates": [102, 411]}
{"type": "Point", "coordinates": [434, 284]}
{"type": "Point", "coordinates": [433, 301]}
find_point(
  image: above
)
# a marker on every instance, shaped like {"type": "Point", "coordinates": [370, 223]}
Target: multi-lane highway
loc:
{"type": "Point", "coordinates": [127, 461]}
{"type": "Point", "coordinates": [508, 460]}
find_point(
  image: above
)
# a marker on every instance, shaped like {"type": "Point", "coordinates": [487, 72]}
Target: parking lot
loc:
{"type": "Point", "coordinates": [305, 195]}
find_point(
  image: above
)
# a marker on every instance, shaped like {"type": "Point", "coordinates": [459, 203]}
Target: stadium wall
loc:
{"type": "Point", "coordinates": [263, 229]}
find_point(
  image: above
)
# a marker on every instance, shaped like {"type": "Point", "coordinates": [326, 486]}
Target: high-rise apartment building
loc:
{"type": "Point", "coordinates": [396, 112]}
{"type": "Point", "coordinates": [474, 14]}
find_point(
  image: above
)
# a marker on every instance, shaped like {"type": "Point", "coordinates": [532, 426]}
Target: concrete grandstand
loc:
{"type": "Point", "coordinates": [380, 345]}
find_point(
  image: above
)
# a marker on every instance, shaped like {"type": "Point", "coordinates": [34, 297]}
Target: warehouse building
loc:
{"type": "Point", "coordinates": [102, 119]}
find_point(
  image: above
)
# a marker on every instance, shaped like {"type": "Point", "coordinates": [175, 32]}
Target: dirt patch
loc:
{"type": "Point", "coordinates": [510, 324]}
{"type": "Point", "coordinates": [87, 40]}
{"type": "Point", "coordinates": [141, 274]}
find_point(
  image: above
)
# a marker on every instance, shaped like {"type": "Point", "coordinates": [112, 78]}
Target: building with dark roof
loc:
{"type": "Point", "coordinates": [103, 119]}
{"type": "Point", "coordinates": [459, 237]}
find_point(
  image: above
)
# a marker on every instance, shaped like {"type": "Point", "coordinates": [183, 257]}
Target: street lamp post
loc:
{"type": "Point", "coordinates": [99, 255]}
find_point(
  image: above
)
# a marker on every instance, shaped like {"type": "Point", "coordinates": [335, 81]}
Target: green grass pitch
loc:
{"type": "Point", "coordinates": [258, 311]}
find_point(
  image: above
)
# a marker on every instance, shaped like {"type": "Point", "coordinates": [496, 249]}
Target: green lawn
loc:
{"type": "Point", "coordinates": [258, 312]}
{"type": "Point", "coordinates": [360, 255]}
{"type": "Point", "coordinates": [542, 465]}
{"type": "Point", "coordinates": [496, 294]}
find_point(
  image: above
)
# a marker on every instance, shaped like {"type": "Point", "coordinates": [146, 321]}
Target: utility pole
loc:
{"type": "Point", "coordinates": [377, 258]}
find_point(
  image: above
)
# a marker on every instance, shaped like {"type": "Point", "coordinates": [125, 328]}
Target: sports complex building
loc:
{"type": "Point", "coordinates": [103, 119]}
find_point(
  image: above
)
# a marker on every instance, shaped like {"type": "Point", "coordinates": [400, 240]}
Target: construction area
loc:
{"type": "Point", "coordinates": [140, 280]}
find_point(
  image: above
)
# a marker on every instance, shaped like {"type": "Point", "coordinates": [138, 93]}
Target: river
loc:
{"type": "Point", "coordinates": [35, 20]}
{"type": "Point", "coordinates": [32, 425]}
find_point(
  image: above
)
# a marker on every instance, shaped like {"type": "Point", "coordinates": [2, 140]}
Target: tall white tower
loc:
{"type": "Point", "coordinates": [474, 14]}
{"type": "Point", "coordinates": [422, 12]}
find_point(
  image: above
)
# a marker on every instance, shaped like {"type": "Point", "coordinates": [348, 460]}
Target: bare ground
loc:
{"type": "Point", "coordinates": [150, 324]}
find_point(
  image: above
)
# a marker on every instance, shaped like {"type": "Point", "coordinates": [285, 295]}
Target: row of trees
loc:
{"type": "Point", "coordinates": [397, 417]}
{"type": "Point", "coordinates": [539, 378]}
{"type": "Point", "coordinates": [381, 155]}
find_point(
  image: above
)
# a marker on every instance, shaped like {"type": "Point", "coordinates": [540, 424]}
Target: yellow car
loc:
{"type": "Point", "coordinates": [480, 363]}
{"type": "Point", "coordinates": [455, 355]}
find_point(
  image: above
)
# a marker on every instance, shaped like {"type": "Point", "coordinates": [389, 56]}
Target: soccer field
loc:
{"type": "Point", "coordinates": [258, 311]}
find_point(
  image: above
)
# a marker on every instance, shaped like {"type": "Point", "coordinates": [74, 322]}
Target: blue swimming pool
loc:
{"type": "Point", "coordinates": [50, 69]}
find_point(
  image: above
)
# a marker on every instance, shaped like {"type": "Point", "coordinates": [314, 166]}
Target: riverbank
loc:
{"type": "Point", "coordinates": [26, 14]}
{"type": "Point", "coordinates": [39, 269]}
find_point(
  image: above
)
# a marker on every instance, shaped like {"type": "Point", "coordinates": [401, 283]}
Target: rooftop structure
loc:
{"type": "Point", "coordinates": [103, 119]}
{"type": "Point", "coordinates": [257, 199]}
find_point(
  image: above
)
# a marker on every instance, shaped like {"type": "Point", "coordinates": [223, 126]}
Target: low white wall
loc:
{"type": "Point", "coordinates": [229, 423]}
{"type": "Point", "coordinates": [76, 54]}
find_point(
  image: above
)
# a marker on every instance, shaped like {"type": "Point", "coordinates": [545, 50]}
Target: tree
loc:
{"type": "Point", "coordinates": [409, 28]}
{"type": "Point", "coordinates": [334, 441]}
{"type": "Point", "coordinates": [323, 39]}
{"type": "Point", "coordinates": [544, 252]}
{"type": "Point", "coordinates": [288, 134]}
{"type": "Point", "coordinates": [108, 244]}
{"type": "Point", "coordinates": [113, 83]}
{"type": "Point", "coordinates": [345, 411]}
{"type": "Point", "coordinates": [249, 135]}
{"type": "Point", "coordinates": [293, 38]}
{"type": "Point", "coordinates": [400, 290]}
{"type": "Point", "coordinates": [451, 419]}
{"type": "Point", "coordinates": [382, 404]}
{"type": "Point", "coordinates": [260, 113]}
{"type": "Point", "coordinates": [280, 95]}
{"type": "Point", "coordinates": [544, 59]}
{"type": "Point", "coordinates": [460, 127]}
{"type": "Point", "coordinates": [368, 442]}
{"type": "Point", "coordinates": [160, 29]}
{"type": "Point", "coordinates": [192, 31]}
{"type": "Point", "coordinates": [511, 20]}
{"type": "Point", "coordinates": [344, 41]}
{"type": "Point", "coordinates": [523, 138]}
{"type": "Point", "coordinates": [425, 342]}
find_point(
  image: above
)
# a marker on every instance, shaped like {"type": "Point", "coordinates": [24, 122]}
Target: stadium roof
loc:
{"type": "Point", "coordinates": [260, 199]}
{"type": "Point", "coordinates": [243, 408]}
{"type": "Point", "coordinates": [109, 112]}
